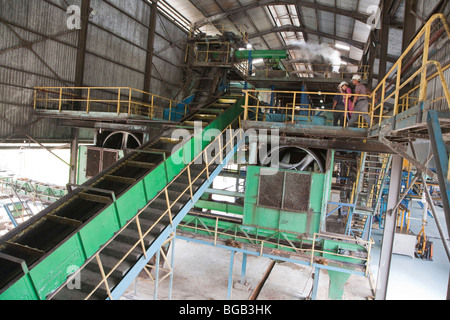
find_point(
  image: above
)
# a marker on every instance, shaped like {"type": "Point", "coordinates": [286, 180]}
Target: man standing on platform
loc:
{"type": "Point", "coordinates": [361, 104]}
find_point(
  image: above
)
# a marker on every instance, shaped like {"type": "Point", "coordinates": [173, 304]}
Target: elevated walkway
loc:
{"type": "Point", "coordinates": [119, 104]}
{"type": "Point", "coordinates": [411, 102]}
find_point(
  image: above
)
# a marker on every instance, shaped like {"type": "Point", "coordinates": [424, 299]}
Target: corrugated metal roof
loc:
{"type": "Point", "coordinates": [315, 24]}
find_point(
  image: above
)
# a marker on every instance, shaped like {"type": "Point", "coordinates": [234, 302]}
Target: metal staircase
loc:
{"type": "Point", "coordinates": [373, 171]}
{"type": "Point", "coordinates": [108, 229]}
{"type": "Point", "coordinates": [100, 277]}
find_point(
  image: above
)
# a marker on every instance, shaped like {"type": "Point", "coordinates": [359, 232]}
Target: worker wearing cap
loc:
{"type": "Point", "coordinates": [361, 104]}
{"type": "Point", "coordinates": [339, 105]}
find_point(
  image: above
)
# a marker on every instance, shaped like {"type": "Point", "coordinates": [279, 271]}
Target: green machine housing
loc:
{"type": "Point", "coordinates": [283, 210]}
{"type": "Point", "coordinates": [283, 200]}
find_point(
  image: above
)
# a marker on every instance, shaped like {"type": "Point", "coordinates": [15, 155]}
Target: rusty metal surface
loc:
{"type": "Point", "coordinates": [297, 189]}
{"type": "Point", "coordinates": [271, 190]}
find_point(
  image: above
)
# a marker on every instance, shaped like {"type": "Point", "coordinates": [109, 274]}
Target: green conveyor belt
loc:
{"type": "Point", "coordinates": [35, 257]}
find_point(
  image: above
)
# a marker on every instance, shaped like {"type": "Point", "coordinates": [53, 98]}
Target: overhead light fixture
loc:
{"type": "Point", "coordinates": [92, 12]}
{"type": "Point", "coordinates": [342, 47]}
{"type": "Point", "coordinates": [249, 46]}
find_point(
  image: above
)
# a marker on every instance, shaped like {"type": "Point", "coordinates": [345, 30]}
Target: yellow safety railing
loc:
{"type": "Point", "coordinates": [355, 184]}
{"type": "Point", "coordinates": [211, 51]}
{"type": "Point", "coordinates": [292, 109]}
{"type": "Point", "coordinates": [115, 100]}
{"type": "Point", "coordinates": [392, 87]}
{"type": "Point", "coordinates": [403, 218]}
{"type": "Point", "coordinates": [366, 244]}
{"type": "Point", "coordinates": [376, 187]}
{"type": "Point", "coordinates": [308, 253]}
{"type": "Point", "coordinates": [409, 99]}
{"type": "Point", "coordinates": [223, 142]}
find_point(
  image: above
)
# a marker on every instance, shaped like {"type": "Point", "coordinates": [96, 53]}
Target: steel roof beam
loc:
{"type": "Point", "coordinates": [291, 28]}
{"type": "Point", "coordinates": [348, 13]}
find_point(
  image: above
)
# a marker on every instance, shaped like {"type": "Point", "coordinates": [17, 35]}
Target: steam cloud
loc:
{"type": "Point", "coordinates": [311, 51]}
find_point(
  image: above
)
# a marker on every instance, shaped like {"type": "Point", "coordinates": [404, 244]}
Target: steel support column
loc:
{"type": "Point", "coordinates": [230, 275]}
{"type": "Point", "coordinates": [441, 160]}
{"type": "Point", "coordinates": [371, 58]}
{"type": "Point", "coordinates": [435, 216]}
{"type": "Point", "coordinates": [315, 284]}
{"type": "Point", "coordinates": [150, 48]}
{"type": "Point", "coordinates": [74, 155]}
{"type": "Point", "coordinates": [384, 39]}
{"type": "Point", "coordinates": [82, 43]}
{"type": "Point", "coordinates": [158, 257]}
{"type": "Point", "coordinates": [172, 262]}
{"type": "Point", "coordinates": [409, 25]}
{"type": "Point", "coordinates": [79, 79]}
{"type": "Point", "coordinates": [389, 228]}
{"type": "Point", "coordinates": [244, 268]}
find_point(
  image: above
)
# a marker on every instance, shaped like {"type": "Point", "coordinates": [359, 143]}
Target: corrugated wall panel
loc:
{"type": "Point", "coordinates": [51, 62]}
{"type": "Point", "coordinates": [170, 46]}
{"type": "Point", "coordinates": [116, 56]}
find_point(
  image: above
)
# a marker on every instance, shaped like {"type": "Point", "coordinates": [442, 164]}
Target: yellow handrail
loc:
{"type": "Point", "coordinates": [292, 106]}
{"type": "Point", "coordinates": [170, 204]}
{"type": "Point", "coordinates": [118, 100]}
{"type": "Point", "coordinates": [387, 88]}
{"type": "Point", "coordinates": [422, 71]}
{"type": "Point", "coordinates": [308, 253]}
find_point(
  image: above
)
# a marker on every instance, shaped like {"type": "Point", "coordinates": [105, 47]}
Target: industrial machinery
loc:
{"type": "Point", "coordinates": [141, 199]}
{"type": "Point", "coordinates": [283, 215]}
{"type": "Point", "coordinates": [93, 242]}
{"type": "Point", "coordinates": [35, 256]}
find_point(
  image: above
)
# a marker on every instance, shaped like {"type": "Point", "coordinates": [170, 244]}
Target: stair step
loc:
{"type": "Point", "coordinates": [184, 179]}
{"type": "Point", "coordinates": [108, 263]}
{"type": "Point", "coordinates": [132, 236]}
{"type": "Point", "coordinates": [146, 224]}
{"type": "Point", "coordinates": [91, 277]}
{"type": "Point", "coordinates": [174, 195]}
{"type": "Point", "coordinates": [160, 203]}
{"type": "Point", "coordinates": [119, 249]}
{"type": "Point", "coordinates": [140, 164]}
{"type": "Point", "coordinates": [88, 281]}
{"type": "Point", "coordinates": [155, 214]}
{"type": "Point", "coordinates": [178, 187]}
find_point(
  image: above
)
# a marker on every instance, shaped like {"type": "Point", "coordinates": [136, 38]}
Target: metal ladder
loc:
{"type": "Point", "coordinates": [372, 174]}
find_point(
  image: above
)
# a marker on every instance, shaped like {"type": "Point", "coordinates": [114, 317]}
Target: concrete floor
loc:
{"type": "Point", "coordinates": [201, 273]}
{"type": "Point", "coordinates": [416, 279]}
